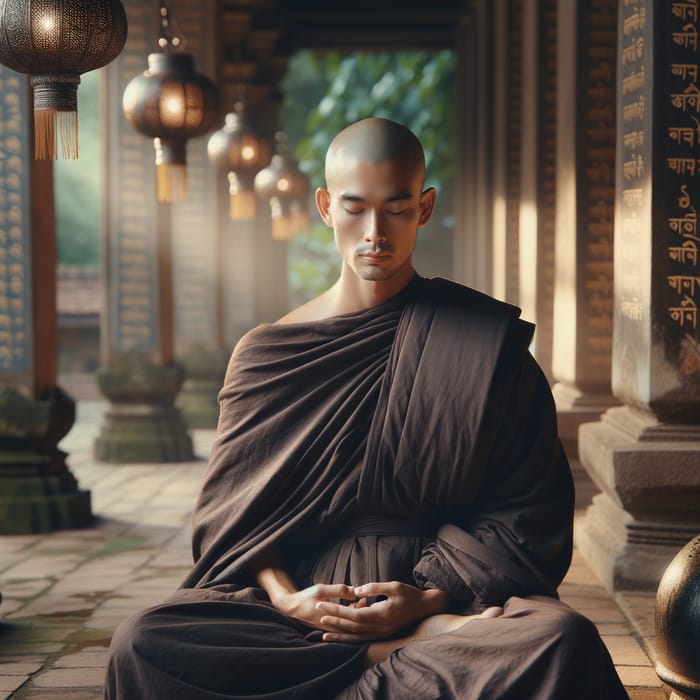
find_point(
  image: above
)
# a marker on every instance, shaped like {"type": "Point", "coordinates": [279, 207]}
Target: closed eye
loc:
{"type": "Point", "coordinates": [353, 212]}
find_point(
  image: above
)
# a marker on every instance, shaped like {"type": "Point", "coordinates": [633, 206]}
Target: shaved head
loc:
{"type": "Point", "coordinates": [375, 140]}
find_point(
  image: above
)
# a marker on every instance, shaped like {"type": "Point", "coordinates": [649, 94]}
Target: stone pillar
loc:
{"type": "Point", "coordinates": [200, 345]}
{"type": "Point", "coordinates": [38, 493]}
{"type": "Point", "coordinates": [507, 117]}
{"type": "Point", "coordinates": [139, 375]}
{"type": "Point", "coordinates": [473, 144]}
{"type": "Point", "coordinates": [538, 157]}
{"type": "Point", "coordinates": [645, 455]}
{"type": "Point", "coordinates": [583, 297]}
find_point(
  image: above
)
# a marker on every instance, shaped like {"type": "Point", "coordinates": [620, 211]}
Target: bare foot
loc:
{"type": "Point", "coordinates": [438, 624]}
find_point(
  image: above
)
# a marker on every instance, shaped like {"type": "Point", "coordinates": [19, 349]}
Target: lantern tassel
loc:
{"type": "Point", "coordinates": [171, 179]}
{"type": "Point", "coordinates": [52, 126]}
{"type": "Point", "coordinates": [242, 205]}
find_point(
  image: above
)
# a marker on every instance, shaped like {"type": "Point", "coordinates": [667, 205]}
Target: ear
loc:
{"type": "Point", "coordinates": [427, 204]}
{"type": "Point", "coordinates": [323, 204]}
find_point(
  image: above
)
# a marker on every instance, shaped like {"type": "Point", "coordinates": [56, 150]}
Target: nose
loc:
{"type": "Point", "coordinates": [373, 232]}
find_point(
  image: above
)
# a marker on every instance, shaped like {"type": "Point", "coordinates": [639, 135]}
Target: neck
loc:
{"type": "Point", "coordinates": [352, 293]}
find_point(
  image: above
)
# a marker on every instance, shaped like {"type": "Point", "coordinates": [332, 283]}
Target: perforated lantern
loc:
{"type": "Point", "coordinates": [240, 151]}
{"type": "Point", "coordinates": [286, 187]}
{"type": "Point", "coordinates": [171, 103]}
{"type": "Point", "coordinates": [55, 41]}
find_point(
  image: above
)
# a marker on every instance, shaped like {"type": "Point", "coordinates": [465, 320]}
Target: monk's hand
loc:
{"type": "Point", "coordinates": [303, 605]}
{"type": "Point", "coordinates": [401, 606]}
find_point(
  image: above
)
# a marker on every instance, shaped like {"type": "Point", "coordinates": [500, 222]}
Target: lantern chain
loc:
{"type": "Point", "coordinates": [166, 39]}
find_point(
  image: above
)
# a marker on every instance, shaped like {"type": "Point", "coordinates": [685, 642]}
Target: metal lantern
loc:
{"type": "Point", "coordinates": [54, 41]}
{"type": "Point", "coordinates": [287, 189]}
{"type": "Point", "coordinates": [241, 152]}
{"type": "Point", "coordinates": [171, 103]}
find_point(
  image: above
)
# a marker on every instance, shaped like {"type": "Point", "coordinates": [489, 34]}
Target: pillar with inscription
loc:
{"type": "Point", "coordinates": [583, 293]}
{"type": "Point", "coordinates": [645, 455]}
{"type": "Point", "coordinates": [139, 375]}
{"type": "Point", "coordinates": [38, 493]}
{"type": "Point", "coordinates": [201, 345]}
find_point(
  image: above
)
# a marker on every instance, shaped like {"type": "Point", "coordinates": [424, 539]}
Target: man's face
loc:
{"type": "Point", "coordinates": [375, 211]}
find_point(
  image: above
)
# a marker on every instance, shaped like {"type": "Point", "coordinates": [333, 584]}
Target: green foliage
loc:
{"type": "Point", "coordinates": [77, 185]}
{"type": "Point", "coordinates": [323, 93]}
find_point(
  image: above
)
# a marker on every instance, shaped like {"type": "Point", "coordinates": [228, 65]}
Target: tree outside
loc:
{"type": "Point", "coordinates": [77, 185]}
{"type": "Point", "coordinates": [323, 93]}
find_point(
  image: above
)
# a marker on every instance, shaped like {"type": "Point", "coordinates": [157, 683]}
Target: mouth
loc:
{"type": "Point", "coordinates": [375, 257]}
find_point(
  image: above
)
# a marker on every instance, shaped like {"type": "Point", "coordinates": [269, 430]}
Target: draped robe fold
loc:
{"type": "Point", "coordinates": [412, 441]}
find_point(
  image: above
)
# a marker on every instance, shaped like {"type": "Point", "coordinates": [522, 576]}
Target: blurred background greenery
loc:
{"type": "Point", "coordinates": [77, 185]}
{"type": "Point", "coordinates": [323, 93]}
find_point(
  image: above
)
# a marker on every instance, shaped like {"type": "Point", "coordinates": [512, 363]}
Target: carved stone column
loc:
{"type": "Point", "coordinates": [139, 374]}
{"type": "Point", "coordinates": [645, 455]}
{"type": "Point", "coordinates": [38, 493]}
{"type": "Point", "coordinates": [583, 294]}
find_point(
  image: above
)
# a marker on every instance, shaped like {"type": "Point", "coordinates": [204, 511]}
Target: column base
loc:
{"type": "Point", "coordinates": [142, 424]}
{"type": "Point", "coordinates": [143, 433]}
{"type": "Point", "coordinates": [38, 493]}
{"type": "Point", "coordinates": [37, 496]}
{"type": "Point", "coordinates": [575, 407]}
{"type": "Point", "coordinates": [205, 370]}
{"type": "Point", "coordinates": [647, 511]}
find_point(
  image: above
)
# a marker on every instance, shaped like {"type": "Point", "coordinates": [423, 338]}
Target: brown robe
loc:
{"type": "Point", "coordinates": [413, 441]}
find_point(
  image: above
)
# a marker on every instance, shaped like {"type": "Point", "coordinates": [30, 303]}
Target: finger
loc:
{"type": "Point", "coordinates": [341, 624]}
{"type": "Point", "coordinates": [352, 638]}
{"type": "Point", "coordinates": [349, 612]}
{"type": "Point", "coordinates": [326, 591]}
{"type": "Point", "coordinates": [375, 588]}
{"type": "Point", "coordinates": [365, 614]}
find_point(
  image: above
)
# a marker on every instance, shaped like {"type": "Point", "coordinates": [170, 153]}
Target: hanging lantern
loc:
{"type": "Point", "coordinates": [241, 152]}
{"type": "Point", "coordinates": [287, 190]}
{"type": "Point", "coordinates": [54, 41]}
{"type": "Point", "coordinates": [171, 103]}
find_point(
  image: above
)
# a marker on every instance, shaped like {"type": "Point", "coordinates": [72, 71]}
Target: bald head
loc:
{"type": "Point", "coordinates": [377, 141]}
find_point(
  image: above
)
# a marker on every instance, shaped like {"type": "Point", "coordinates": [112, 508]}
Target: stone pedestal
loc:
{"type": "Point", "coordinates": [583, 298]}
{"type": "Point", "coordinates": [648, 509]}
{"type": "Point", "coordinates": [645, 456]}
{"type": "Point", "coordinates": [142, 423]}
{"type": "Point", "coordinates": [205, 370]}
{"type": "Point", "coordinates": [575, 407]}
{"type": "Point", "coordinates": [37, 491]}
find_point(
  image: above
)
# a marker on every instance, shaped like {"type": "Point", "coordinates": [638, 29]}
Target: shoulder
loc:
{"type": "Point", "coordinates": [474, 313]}
{"type": "Point", "coordinates": [446, 292]}
{"type": "Point", "coordinates": [314, 310]}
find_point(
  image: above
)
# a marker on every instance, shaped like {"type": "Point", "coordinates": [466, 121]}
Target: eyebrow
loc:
{"type": "Point", "coordinates": [399, 196]}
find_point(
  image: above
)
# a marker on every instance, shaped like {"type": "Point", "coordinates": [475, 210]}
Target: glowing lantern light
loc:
{"type": "Point", "coordinates": [170, 103]}
{"type": "Point", "coordinates": [55, 41]}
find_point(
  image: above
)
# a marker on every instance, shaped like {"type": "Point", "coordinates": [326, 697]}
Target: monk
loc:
{"type": "Point", "coordinates": [387, 511]}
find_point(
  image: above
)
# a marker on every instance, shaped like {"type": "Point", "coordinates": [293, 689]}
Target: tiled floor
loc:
{"type": "Point", "coordinates": [64, 593]}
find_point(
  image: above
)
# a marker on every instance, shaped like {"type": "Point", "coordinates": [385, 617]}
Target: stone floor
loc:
{"type": "Point", "coordinates": [65, 592]}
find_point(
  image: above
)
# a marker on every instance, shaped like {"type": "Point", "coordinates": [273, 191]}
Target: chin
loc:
{"type": "Point", "coordinates": [376, 274]}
